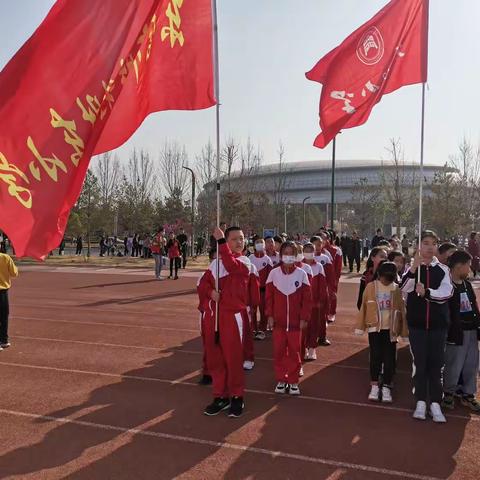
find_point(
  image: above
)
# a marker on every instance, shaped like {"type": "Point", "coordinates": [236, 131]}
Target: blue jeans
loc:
{"type": "Point", "coordinates": [158, 264]}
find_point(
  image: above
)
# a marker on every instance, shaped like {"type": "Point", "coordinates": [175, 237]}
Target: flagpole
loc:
{"type": "Point", "coordinates": [420, 206]}
{"type": "Point", "coordinates": [332, 209]}
{"type": "Point", "coordinates": [217, 97]}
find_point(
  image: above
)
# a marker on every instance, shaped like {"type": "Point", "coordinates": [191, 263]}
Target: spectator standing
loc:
{"type": "Point", "coordinates": [377, 238]}
{"type": "Point", "coordinates": [174, 254]}
{"type": "Point", "coordinates": [157, 247]}
{"type": "Point", "coordinates": [200, 245]}
{"type": "Point", "coordinates": [405, 245]}
{"type": "Point", "coordinates": [344, 245]}
{"type": "Point", "coordinates": [354, 251]}
{"type": "Point", "coordinates": [79, 248]}
{"type": "Point", "coordinates": [183, 241]}
{"type": "Point", "coordinates": [473, 249]}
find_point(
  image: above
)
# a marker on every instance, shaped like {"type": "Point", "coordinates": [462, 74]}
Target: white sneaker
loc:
{"type": "Point", "coordinates": [312, 354]}
{"type": "Point", "coordinates": [436, 413]}
{"type": "Point", "coordinates": [386, 395]}
{"type": "Point", "coordinates": [5, 345]}
{"type": "Point", "coordinates": [248, 365]}
{"type": "Point", "coordinates": [331, 318]}
{"type": "Point", "coordinates": [301, 372]}
{"type": "Point", "coordinates": [374, 395]}
{"type": "Point", "coordinates": [293, 389]}
{"type": "Point", "coordinates": [420, 412]}
{"type": "Point", "coordinates": [281, 387]}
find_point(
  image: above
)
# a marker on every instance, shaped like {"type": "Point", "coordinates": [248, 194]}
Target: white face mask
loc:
{"type": "Point", "coordinates": [309, 255]}
{"type": "Point", "coordinates": [300, 257]}
{"type": "Point", "coordinates": [288, 259]}
{"type": "Point", "coordinates": [259, 247]}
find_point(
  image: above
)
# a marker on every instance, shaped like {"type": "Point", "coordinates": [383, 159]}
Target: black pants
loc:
{"type": "Point", "coordinates": [4, 312]}
{"type": "Point", "coordinates": [428, 352]}
{"type": "Point", "coordinates": [175, 262]}
{"type": "Point", "coordinates": [365, 253]}
{"type": "Point", "coordinates": [383, 353]}
{"type": "Point", "coordinates": [344, 260]}
{"type": "Point", "coordinates": [350, 263]}
{"type": "Point", "coordinates": [79, 249]}
{"type": "Point", "coordinates": [184, 259]}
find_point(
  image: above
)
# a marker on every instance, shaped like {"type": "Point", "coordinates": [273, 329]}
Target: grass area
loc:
{"type": "Point", "coordinates": [110, 262]}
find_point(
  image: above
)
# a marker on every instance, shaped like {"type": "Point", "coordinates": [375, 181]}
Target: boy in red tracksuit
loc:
{"type": "Point", "coordinates": [253, 303]}
{"type": "Point", "coordinates": [288, 308]}
{"type": "Point", "coordinates": [264, 265]}
{"type": "Point", "coordinates": [336, 255]}
{"type": "Point", "coordinates": [315, 333]}
{"type": "Point", "coordinates": [224, 338]}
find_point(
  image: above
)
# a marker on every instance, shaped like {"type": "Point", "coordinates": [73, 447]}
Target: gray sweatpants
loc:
{"type": "Point", "coordinates": [158, 264]}
{"type": "Point", "coordinates": [462, 359]}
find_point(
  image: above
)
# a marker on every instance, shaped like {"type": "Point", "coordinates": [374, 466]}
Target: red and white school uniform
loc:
{"type": "Point", "coordinates": [275, 259]}
{"type": "Point", "coordinates": [288, 301]}
{"type": "Point", "coordinates": [306, 268]}
{"type": "Point", "coordinates": [317, 326]}
{"type": "Point", "coordinates": [225, 358]}
{"type": "Point", "coordinates": [253, 303]}
{"type": "Point", "coordinates": [326, 260]}
{"type": "Point", "coordinates": [264, 265]}
{"type": "Point", "coordinates": [337, 259]}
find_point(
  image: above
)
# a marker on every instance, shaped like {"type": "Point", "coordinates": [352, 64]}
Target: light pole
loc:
{"type": "Point", "coordinates": [285, 218]}
{"type": "Point", "coordinates": [193, 205]}
{"type": "Point", "coordinates": [303, 207]}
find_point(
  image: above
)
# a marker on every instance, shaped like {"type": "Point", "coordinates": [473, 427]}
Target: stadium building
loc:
{"type": "Point", "coordinates": [297, 181]}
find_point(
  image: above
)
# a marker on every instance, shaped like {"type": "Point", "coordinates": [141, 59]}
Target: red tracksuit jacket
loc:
{"type": "Point", "coordinates": [327, 265]}
{"type": "Point", "coordinates": [288, 298]}
{"type": "Point", "coordinates": [253, 287]}
{"type": "Point", "coordinates": [264, 265]}
{"type": "Point", "coordinates": [234, 280]}
{"type": "Point", "coordinates": [319, 285]}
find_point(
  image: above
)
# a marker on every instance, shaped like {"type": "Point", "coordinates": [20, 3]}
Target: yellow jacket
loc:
{"type": "Point", "coordinates": [8, 270]}
{"type": "Point", "coordinates": [369, 317]}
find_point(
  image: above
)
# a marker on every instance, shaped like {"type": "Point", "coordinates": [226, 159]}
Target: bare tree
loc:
{"type": "Point", "coordinates": [280, 184]}
{"type": "Point", "coordinates": [172, 159]}
{"type": "Point", "coordinates": [364, 200]}
{"type": "Point", "coordinates": [400, 194]}
{"type": "Point", "coordinates": [107, 171]}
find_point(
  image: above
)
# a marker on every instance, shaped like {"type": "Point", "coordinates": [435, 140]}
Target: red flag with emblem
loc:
{"type": "Point", "coordinates": [81, 85]}
{"type": "Point", "coordinates": [386, 53]}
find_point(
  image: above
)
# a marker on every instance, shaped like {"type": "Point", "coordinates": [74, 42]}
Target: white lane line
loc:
{"type": "Point", "coordinates": [192, 384]}
{"type": "Point", "coordinates": [106, 324]}
{"type": "Point", "coordinates": [226, 445]}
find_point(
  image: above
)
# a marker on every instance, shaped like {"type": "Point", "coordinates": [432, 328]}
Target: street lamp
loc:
{"type": "Point", "coordinates": [303, 207]}
{"type": "Point", "coordinates": [193, 204]}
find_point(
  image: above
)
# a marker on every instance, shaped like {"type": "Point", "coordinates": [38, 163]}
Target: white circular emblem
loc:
{"type": "Point", "coordinates": [371, 47]}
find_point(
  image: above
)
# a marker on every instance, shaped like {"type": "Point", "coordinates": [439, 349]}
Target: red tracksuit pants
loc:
{"type": "Point", "coordinates": [259, 319]}
{"type": "Point", "coordinates": [248, 353]}
{"type": "Point", "coordinates": [286, 355]}
{"type": "Point", "coordinates": [225, 358]}
{"type": "Point", "coordinates": [202, 331]}
{"type": "Point", "coordinates": [333, 302]}
{"type": "Point", "coordinates": [311, 334]}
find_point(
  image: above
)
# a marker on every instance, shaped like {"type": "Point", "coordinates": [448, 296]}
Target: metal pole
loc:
{"type": "Point", "coordinates": [332, 208]}
{"type": "Point", "coordinates": [303, 206]}
{"type": "Point", "coordinates": [285, 217]}
{"type": "Point", "coordinates": [420, 206]}
{"type": "Point", "coordinates": [217, 97]}
{"type": "Point", "coordinates": [193, 206]}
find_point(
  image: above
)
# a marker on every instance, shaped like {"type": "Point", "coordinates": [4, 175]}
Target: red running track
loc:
{"type": "Point", "coordinates": [100, 383]}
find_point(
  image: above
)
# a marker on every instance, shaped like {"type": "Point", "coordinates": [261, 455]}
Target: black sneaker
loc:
{"type": "Point", "coordinates": [324, 342]}
{"type": "Point", "coordinates": [205, 380]}
{"type": "Point", "coordinates": [236, 407]}
{"type": "Point", "coordinates": [219, 404]}
{"type": "Point", "coordinates": [471, 402]}
{"type": "Point", "coordinates": [448, 401]}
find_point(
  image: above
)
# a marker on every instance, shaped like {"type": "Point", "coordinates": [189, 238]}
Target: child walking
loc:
{"type": "Point", "coordinates": [377, 256]}
{"type": "Point", "coordinates": [428, 319]}
{"type": "Point", "coordinates": [382, 315]}
{"type": "Point", "coordinates": [8, 270]}
{"type": "Point", "coordinates": [461, 356]}
{"type": "Point", "coordinates": [288, 308]}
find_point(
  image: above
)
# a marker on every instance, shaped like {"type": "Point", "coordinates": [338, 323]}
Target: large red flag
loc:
{"type": "Point", "coordinates": [81, 85]}
{"type": "Point", "coordinates": [384, 54]}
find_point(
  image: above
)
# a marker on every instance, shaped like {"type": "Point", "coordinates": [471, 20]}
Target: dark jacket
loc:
{"type": "Point", "coordinates": [376, 240]}
{"type": "Point", "coordinates": [367, 277]}
{"type": "Point", "coordinates": [455, 331]}
{"type": "Point", "coordinates": [354, 247]}
{"type": "Point", "coordinates": [430, 312]}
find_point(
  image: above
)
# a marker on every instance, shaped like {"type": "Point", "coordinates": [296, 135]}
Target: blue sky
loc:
{"type": "Point", "coordinates": [265, 48]}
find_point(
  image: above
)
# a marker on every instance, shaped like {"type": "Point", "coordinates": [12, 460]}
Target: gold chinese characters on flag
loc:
{"type": "Point", "coordinates": [80, 86]}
